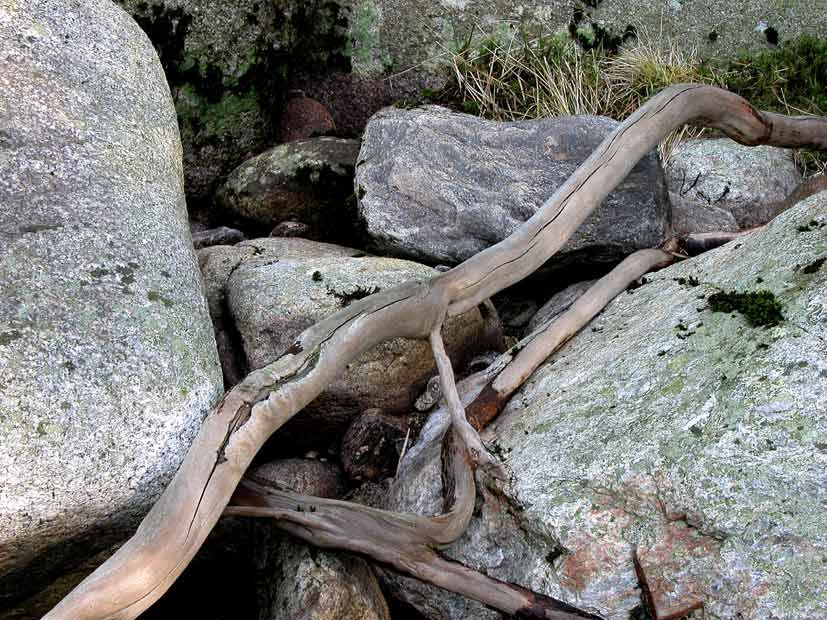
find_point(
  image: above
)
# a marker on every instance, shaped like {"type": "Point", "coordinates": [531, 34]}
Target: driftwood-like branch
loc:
{"type": "Point", "coordinates": [167, 539]}
{"type": "Point", "coordinates": [392, 540]}
{"type": "Point", "coordinates": [409, 543]}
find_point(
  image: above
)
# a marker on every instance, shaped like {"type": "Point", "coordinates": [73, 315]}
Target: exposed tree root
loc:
{"type": "Point", "coordinates": [409, 543]}
{"type": "Point", "coordinates": [142, 570]}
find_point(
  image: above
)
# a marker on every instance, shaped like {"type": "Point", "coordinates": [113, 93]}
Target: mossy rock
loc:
{"type": "Point", "coordinates": [227, 66]}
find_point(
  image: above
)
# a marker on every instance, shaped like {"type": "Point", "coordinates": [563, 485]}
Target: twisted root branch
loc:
{"type": "Point", "coordinates": [143, 568]}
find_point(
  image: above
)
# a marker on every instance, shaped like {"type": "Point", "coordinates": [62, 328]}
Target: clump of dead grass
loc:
{"type": "Point", "coordinates": [507, 75]}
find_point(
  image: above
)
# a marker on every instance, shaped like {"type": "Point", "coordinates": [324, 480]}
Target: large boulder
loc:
{"type": "Point", "coordinates": [439, 186]}
{"type": "Point", "coordinates": [309, 181]}
{"type": "Point", "coordinates": [722, 185]}
{"type": "Point", "coordinates": [678, 430]}
{"type": "Point", "coordinates": [272, 301]}
{"type": "Point", "coordinates": [107, 360]}
{"type": "Point", "coordinates": [227, 63]}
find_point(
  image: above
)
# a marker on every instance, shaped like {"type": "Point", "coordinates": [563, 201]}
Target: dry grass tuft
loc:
{"type": "Point", "coordinates": [511, 76]}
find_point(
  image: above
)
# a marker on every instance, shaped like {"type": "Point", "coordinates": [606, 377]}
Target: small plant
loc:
{"type": "Point", "coordinates": [513, 76]}
{"type": "Point", "coordinates": [792, 77]}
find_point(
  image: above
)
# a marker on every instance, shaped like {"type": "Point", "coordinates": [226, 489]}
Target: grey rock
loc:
{"type": "Point", "coordinates": [304, 476]}
{"type": "Point", "coordinates": [227, 62]}
{"type": "Point", "coordinates": [559, 302]}
{"type": "Point", "coordinates": [308, 181]}
{"type": "Point", "coordinates": [371, 446]}
{"type": "Point", "coordinates": [700, 448]}
{"type": "Point", "coordinates": [107, 359]}
{"type": "Point", "coordinates": [298, 582]}
{"type": "Point", "coordinates": [273, 301]}
{"type": "Point", "coordinates": [223, 235]}
{"type": "Point", "coordinates": [218, 262]}
{"type": "Point", "coordinates": [722, 185]}
{"type": "Point", "coordinates": [515, 312]}
{"type": "Point", "coordinates": [438, 186]}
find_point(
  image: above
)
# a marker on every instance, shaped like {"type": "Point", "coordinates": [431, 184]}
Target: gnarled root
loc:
{"type": "Point", "coordinates": [141, 571]}
{"type": "Point", "coordinates": [406, 543]}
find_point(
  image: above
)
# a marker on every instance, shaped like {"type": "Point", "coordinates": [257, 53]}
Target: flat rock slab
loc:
{"type": "Point", "coordinates": [439, 187]}
{"type": "Point", "coordinates": [107, 358]}
{"type": "Point", "coordinates": [668, 431]}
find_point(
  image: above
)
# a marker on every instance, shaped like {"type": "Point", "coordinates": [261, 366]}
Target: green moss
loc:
{"type": "Point", "coordinates": [760, 309]}
{"type": "Point", "coordinates": [364, 40]}
{"type": "Point", "coordinates": [9, 336]}
{"type": "Point", "coordinates": [675, 387]}
{"type": "Point", "coordinates": [156, 296]}
{"type": "Point", "coordinates": [220, 118]}
{"type": "Point", "coordinates": [689, 281]}
{"type": "Point", "coordinates": [793, 75]}
{"type": "Point", "coordinates": [814, 266]}
{"type": "Point", "coordinates": [809, 226]}
{"type": "Point", "coordinates": [544, 427]}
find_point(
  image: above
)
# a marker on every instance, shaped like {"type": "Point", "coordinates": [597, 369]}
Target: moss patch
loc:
{"type": "Point", "coordinates": [156, 296]}
{"type": "Point", "coordinates": [814, 266]}
{"type": "Point", "coordinates": [9, 336]}
{"type": "Point", "coordinates": [760, 308]}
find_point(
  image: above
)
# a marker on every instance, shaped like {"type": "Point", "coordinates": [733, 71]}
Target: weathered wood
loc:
{"type": "Point", "coordinates": [408, 543]}
{"type": "Point", "coordinates": [142, 570]}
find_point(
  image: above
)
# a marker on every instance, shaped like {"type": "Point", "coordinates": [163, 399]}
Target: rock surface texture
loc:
{"type": "Point", "coordinates": [107, 360]}
{"type": "Point", "coordinates": [309, 181]}
{"type": "Point", "coordinates": [722, 185]}
{"type": "Point", "coordinates": [559, 302]}
{"type": "Point", "coordinates": [687, 437]}
{"type": "Point", "coordinates": [217, 263]}
{"type": "Point", "coordinates": [439, 187]}
{"type": "Point", "coordinates": [272, 301]}
{"type": "Point", "coordinates": [386, 34]}
{"type": "Point", "coordinates": [304, 583]}
{"type": "Point", "coordinates": [304, 476]}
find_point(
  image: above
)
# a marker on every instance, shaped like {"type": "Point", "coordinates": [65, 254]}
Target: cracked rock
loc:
{"type": "Point", "coordinates": [722, 185]}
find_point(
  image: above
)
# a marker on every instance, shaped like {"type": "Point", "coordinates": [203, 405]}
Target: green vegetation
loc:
{"type": "Point", "coordinates": [792, 77]}
{"type": "Point", "coordinates": [508, 75]}
{"type": "Point", "coordinates": [811, 225]}
{"type": "Point", "coordinates": [814, 266]}
{"type": "Point", "coordinates": [760, 308]}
